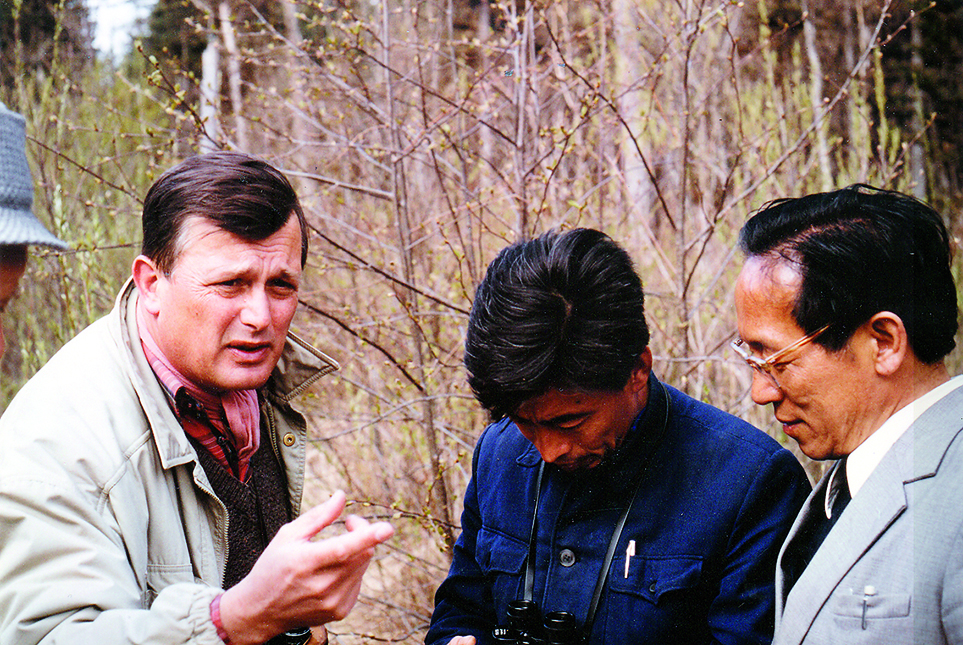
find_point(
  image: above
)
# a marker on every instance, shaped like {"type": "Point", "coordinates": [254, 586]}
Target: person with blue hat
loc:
{"type": "Point", "coordinates": [19, 227]}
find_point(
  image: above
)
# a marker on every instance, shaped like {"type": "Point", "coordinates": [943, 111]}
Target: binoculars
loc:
{"type": "Point", "coordinates": [526, 626]}
{"type": "Point", "coordinates": [300, 636]}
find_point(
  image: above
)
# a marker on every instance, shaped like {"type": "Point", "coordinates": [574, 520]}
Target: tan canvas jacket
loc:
{"type": "Point", "coordinates": [109, 531]}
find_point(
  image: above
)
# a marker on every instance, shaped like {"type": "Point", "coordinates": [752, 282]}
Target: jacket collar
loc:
{"type": "Point", "coordinates": [299, 367]}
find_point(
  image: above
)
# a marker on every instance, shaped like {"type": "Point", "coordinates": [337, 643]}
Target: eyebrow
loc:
{"type": "Point", "coordinates": [552, 421]}
{"type": "Point", "coordinates": [244, 270]}
{"type": "Point", "coordinates": [287, 275]}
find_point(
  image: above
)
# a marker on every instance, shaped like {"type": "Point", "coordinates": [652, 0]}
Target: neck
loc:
{"type": "Point", "coordinates": [911, 383]}
{"type": "Point", "coordinates": [928, 377]}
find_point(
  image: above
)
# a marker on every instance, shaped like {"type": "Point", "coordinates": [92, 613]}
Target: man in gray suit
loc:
{"type": "Point", "coordinates": [847, 309]}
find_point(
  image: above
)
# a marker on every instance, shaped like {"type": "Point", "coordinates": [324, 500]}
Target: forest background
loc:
{"type": "Point", "coordinates": [425, 135]}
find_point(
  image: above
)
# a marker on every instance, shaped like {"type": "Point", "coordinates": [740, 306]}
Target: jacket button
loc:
{"type": "Point", "coordinates": [289, 439]}
{"type": "Point", "coordinates": [566, 558]}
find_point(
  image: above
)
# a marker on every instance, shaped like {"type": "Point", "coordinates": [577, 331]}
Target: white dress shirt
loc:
{"type": "Point", "coordinates": [863, 460]}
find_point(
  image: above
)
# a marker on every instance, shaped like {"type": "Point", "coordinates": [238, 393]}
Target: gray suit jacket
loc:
{"type": "Point", "coordinates": [891, 569]}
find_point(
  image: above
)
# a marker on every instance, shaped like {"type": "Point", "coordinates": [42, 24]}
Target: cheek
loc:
{"type": "Point", "coordinates": [283, 313]}
{"type": "Point", "coordinates": [598, 439]}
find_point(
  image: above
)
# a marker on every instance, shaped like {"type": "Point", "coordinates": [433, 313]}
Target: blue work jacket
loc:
{"type": "Point", "coordinates": [716, 499]}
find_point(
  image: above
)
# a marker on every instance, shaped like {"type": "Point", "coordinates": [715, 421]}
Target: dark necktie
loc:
{"type": "Point", "coordinates": [816, 528]}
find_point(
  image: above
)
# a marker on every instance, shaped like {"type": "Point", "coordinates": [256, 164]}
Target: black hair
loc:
{"type": "Point", "coordinates": [565, 310]}
{"type": "Point", "coordinates": [13, 253]}
{"type": "Point", "coordinates": [238, 193]}
{"type": "Point", "coordinates": [861, 250]}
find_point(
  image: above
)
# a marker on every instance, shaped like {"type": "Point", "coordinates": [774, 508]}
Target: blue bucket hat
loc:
{"type": "Point", "coordinates": [17, 222]}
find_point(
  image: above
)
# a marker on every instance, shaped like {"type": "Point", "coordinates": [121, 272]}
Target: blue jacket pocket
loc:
{"type": "Point", "coordinates": [652, 577]}
{"type": "Point", "coordinates": [498, 553]}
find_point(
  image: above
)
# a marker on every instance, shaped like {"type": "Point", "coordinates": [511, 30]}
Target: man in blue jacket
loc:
{"type": "Point", "coordinates": [643, 514]}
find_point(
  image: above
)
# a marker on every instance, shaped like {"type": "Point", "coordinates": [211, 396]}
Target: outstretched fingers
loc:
{"type": "Point", "coordinates": [358, 542]}
{"type": "Point", "coordinates": [313, 521]}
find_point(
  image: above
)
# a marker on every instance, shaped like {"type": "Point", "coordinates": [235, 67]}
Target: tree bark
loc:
{"type": "Point", "coordinates": [233, 73]}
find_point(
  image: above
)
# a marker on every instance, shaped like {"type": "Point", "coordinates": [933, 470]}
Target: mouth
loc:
{"type": "Point", "coordinates": [789, 427]}
{"type": "Point", "coordinates": [250, 352]}
{"type": "Point", "coordinates": [581, 463]}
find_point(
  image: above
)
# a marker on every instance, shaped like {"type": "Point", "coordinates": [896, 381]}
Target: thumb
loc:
{"type": "Point", "coordinates": [311, 522]}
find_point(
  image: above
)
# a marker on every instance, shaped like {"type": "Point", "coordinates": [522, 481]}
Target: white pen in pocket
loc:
{"type": "Point", "coordinates": [629, 552]}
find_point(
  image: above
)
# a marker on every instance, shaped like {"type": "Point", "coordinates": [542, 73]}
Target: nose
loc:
{"type": "Point", "coordinates": [550, 444]}
{"type": "Point", "coordinates": [256, 311]}
{"type": "Point", "coordinates": [764, 389]}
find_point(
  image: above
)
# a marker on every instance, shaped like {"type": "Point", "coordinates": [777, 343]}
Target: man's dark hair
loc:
{"type": "Point", "coordinates": [565, 310]}
{"type": "Point", "coordinates": [861, 250]}
{"type": "Point", "coordinates": [13, 253]}
{"type": "Point", "coordinates": [239, 194]}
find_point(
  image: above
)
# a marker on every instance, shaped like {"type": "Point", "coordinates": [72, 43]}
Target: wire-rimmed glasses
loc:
{"type": "Point", "coordinates": [766, 366]}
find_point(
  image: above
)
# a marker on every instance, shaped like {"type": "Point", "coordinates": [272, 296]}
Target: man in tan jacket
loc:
{"type": "Point", "coordinates": [152, 471]}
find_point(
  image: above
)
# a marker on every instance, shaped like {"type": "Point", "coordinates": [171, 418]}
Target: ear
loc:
{"type": "Point", "coordinates": [147, 277]}
{"type": "Point", "coordinates": [639, 378]}
{"type": "Point", "coordinates": [890, 342]}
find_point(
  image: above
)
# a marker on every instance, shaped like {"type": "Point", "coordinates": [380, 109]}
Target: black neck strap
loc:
{"type": "Point", "coordinates": [647, 448]}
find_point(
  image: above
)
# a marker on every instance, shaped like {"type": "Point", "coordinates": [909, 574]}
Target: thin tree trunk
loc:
{"type": "Point", "coordinates": [233, 74]}
{"type": "Point", "coordinates": [917, 165]}
{"type": "Point", "coordinates": [210, 97]}
{"type": "Point", "coordinates": [816, 96]}
{"type": "Point", "coordinates": [638, 186]}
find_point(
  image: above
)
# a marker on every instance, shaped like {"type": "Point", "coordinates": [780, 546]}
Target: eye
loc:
{"type": "Point", "coordinates": [780, 367]}
{"type": "Point", "coordinates": [570, 423]}
{"type": "Point", "coordinates": [229, 287]}
{"type": "Point", "coordinates": [283, 288]}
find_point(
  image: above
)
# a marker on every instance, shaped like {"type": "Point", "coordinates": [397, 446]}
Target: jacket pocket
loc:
{"type": "Point", "coordinates": [499, 553]}
{"type": "Point", "coordinates": [878, 606]}
{"type": "Point", "coordinates": [502, 559]}
{"type": "Point", "coordinates": [660, 600]}
{"type": "Point", "coordinates": [887, 618]}
{"type": "Point", "coordinates": [161, 576]}
{"type": "Point", "coordinates": [653, 577]}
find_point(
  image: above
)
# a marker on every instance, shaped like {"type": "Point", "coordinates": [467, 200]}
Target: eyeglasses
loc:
{"type": "Point", "coordinates": [765, 366]}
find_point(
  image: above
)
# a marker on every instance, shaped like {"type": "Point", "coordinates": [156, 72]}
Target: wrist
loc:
{"type": "Point", "coordinates": [216, 619]}
{"type": "Point", "coordinates": [240, 621]}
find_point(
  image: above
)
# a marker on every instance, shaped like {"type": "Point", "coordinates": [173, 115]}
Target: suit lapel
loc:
{"type": "Point", "coordinates": [812, 504]}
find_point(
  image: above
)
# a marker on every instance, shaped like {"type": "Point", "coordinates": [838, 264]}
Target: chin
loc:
{"type": "Point", "coordinates": [817, 453]}
{"type": "Point", "coordinates": [244, 381]}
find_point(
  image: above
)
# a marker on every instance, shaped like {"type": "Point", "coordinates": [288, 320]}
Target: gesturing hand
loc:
{"type": "Point", "coordinates": [299, 582]}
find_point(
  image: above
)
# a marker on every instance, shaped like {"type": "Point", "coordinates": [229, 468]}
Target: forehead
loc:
{"type": "Point", "coordinates": [766, 293]}
{"type": "Point", "coordinates": [202, 241]}
{"type": "Point", "coordinates": [555, 403]}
